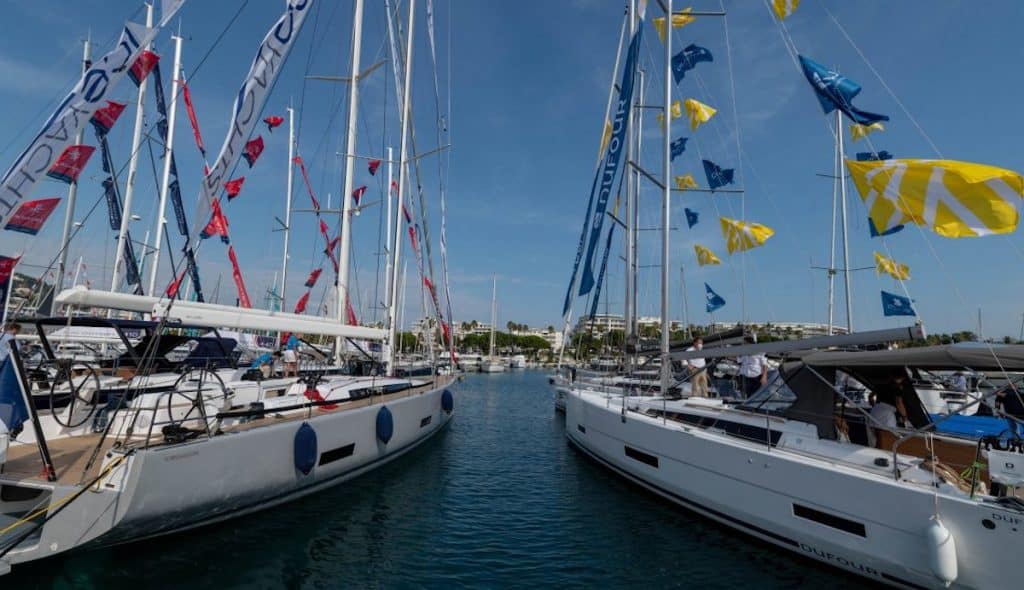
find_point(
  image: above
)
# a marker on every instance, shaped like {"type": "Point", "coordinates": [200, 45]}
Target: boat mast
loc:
{"type": "Point", "coordinates": [836, 171]}
{"type": "Point", "coordinates": [288, 205]}
{"type": "Point", "coordinates": [350, 147]}
{"type": "Point", "coordinates": [630, 204]}
{"type": "Point", "coordinates": [69, 211]}
{"type": "Point", "coordinates": [686, 310]}
{"type": "Point", "coordinates": [161, 221]}
{"type": "Point", "coordinates": [842, 211]}
{"type": "Point", "coordinates": [494, 313]}
{"type": "Point", "coordinates": [634, 262]}
{"type": "Point", "coordinates": [133, 165]}
{"type": "Point", "coordinates": [666, 174]}
{"type": "Point", "coordinates": [388, 285]}
{"type": "Point", "coordinates": [403, 166]}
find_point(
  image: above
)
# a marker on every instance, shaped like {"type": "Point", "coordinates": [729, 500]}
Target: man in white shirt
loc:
{"type": "Point", "coordinates": [698, 376]}
{"type": "Point", "coordinates": [753, 370]}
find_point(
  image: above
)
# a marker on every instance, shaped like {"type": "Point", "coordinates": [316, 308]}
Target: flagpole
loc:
{"type": "Point", "coordinates": [69, 210]}
{"type": "Point", "coordinates": [836, 171]}
{"type": "Point", "coordinates": [842, 209]}
{"type": "Point", "coordinates": [666, 363]}
{"type": "Point", "coordinates": [388, 216]}
{"type": "Point", "coordinates": [686, 310]}
{"type": "Point", "coordinates": [161, 221]}
{"type": "Point", "coordinates": [288, 205]}
{"type": "Point", "coordinates": [133, 165]}
{"type": "Point", "coordinates": [350, 149]}
{"type": "Point", "coordinates": [403, 169]}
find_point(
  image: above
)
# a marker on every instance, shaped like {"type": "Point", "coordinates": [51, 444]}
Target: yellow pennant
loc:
{"type": "Point", "coordinates": [676, 110]}
{"type": "Point", "coordinates": [891, 267]}
{"type": "Point", "coordinates": [678, 20]}
{"type": "Point", "coordinates": [953, 199]}
{"type": "Point", "coordinates": [685, 181]}
{"type": "Point", "coordinates": [698, 113]}
{"type": "Point", "coordinates": [605, 137]}
{"type": "Point", "coordinates": [705, 256]}
{"type": "Point", "coordinates": [784, 8]}
{"type": "Point", "coordinates": [744, 235]}
{"type": "Point", "coordinates": [858, 131]}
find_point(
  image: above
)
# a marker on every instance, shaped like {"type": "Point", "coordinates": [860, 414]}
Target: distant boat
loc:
{"type": "Point", "coordinates": [493, 364]}
{"type": "Point", "coordinates": [517, 362]}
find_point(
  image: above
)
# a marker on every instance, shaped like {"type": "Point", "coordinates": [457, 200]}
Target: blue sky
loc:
{"type": "Point", "coordinates": [527, 84]}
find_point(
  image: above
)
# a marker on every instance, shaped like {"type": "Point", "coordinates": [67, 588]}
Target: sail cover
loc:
{"type": "Point", "coordinates": [245, 114]}
{"type": "Point", "coordinates": [74, 112]}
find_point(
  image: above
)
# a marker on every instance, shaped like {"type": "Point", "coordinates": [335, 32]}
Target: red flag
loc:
{"type": "Point", "coordinates": [446, 331]}
{"type": "Point", "coordinates": [104, 118]}
{"type": "Point", "coordinates": [218, 225]}
{"type": "Point", "coordinates": [186, 94]}
{"type": "Point", "coordinates": [253, 149]}
{"type": "Point", "coordinates": [412, 238]}
{"type": "Point", "coordinates": [7, 265]}
{"type": "Point", "coordinates": [143, 65]}
{"type": "Point", "coordinates": [233, 187]}
{"type": "Point", "coordinates": [309, 187]}
{"type": "Point", "coordinates": [172, 289]}
{"type": "Point", "coordinates": [405, 213]}
{"type": "Point", "coordinates": [351, 314]}
{"type": "Point", "coordinates": [273, 121]}
{"type": "Point", "coordinates": [236, 273]}
{"type": "Point", "coordinates": [31, 215]}
{"type": "Point", "coordinates": [70, 163]}
{"type": "Point", "coordinates": [323, 230]}
{"type": "Point", "coordinates": [429, 285]}
{"type": "Point", "coordinates": [329, 251]}
{"type": "Point", "coordinates": [394, 185]}
{"type": "Point", "coordinates": [358, 194]}
{"type": "Point", "coordinates": [300, 306]}
{"type": "Point", "coordinates": [373, 165]}
{"type": "Point", "coordinates": [313, 276]}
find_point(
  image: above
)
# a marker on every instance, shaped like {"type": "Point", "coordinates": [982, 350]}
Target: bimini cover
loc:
{"type": "Point", "coordinates": [305, 448]}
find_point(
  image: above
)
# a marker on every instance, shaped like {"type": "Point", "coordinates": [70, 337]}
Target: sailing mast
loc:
{"type": "Point", "coordinates": [842, 212]}
{"type": "Point", "coordinates": [69, 211]}
{"type": "Point", "coordinates": [288, 205]}
{"type": "Point", "coordinates": [346, 210]}
{"type": "Point", "coordinates": [666, 361]}
{"type": "Point", "coordinates": [133, 165]}
{"type": "Point", "coordinates": [161, 221]}
{"type": "Point", "coordinates": [631, 152]}
{"type": "Point", "coordinates": [494, 314]}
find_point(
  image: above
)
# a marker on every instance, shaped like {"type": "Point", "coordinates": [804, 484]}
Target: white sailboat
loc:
{"type": "Point", "coordinates": [492, 364]}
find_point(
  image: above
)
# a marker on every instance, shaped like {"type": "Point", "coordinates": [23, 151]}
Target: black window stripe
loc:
{"type": "Point", "coordinates": [337, 454]}
{"type": "Point", "coordinates": [641, 456]}
{"type": "Point", "coordinates": [426, 421]}
{"type": "Point", "coordinates": [830, 520]}
{"type": "Point", "coordinates": [737, 429]}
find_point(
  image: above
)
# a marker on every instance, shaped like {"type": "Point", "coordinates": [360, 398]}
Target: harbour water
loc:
{"type": "Point", "coordinates": [498, 500]}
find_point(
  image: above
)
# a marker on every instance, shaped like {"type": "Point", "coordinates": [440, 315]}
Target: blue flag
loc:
{"type": "Point", "coordinates": [691, 217]}
{"type": "Point", "coordinates": [717, 176]}
{"type": "Point", "coordinates": [875, 233]}
{"type": "Point", "coordinates": [836, 92]}
{"type": "Point", "coordinates": [893, 304]}
{"type": "Point", "coordinates": [13, 412]}
{"type": "Point", "coordinates": [678, 147]}
{"type": "Point", "coordinates": [687, 59]}
{"type": "Point", "coordinates": [873, 156]}
{"type": "Point", "coordinates": [713, 300]}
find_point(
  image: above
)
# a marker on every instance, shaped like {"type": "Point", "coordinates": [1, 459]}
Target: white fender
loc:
{"type": "Point", "coordinates": [941, 548]}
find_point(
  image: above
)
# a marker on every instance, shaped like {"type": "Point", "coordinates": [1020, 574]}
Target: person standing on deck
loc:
{"type": "Point", "coordinates": [698, 376]}
{"type": "Point", "coordinates": [10, 333]}
{"type": "Point", "coordinates": [753, 369]}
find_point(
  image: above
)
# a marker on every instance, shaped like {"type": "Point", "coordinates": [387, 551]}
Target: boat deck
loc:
{"type": "Point", "coordinates": [71, 455]}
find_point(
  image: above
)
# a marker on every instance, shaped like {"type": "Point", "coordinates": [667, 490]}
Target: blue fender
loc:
{"type": "Point", "coordinates": [447, 401]}
{"type": "Point", "coordinates": [385, 425]}
{"type": "Point", "coordinates": [305, 448]}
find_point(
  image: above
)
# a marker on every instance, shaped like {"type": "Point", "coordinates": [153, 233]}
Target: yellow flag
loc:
{"type": "Point", "coordinates": [953, 199]}
{"type": "Point", "coordinates": [705, 256]}
{"type": "Point", "coordinates": [698, 113]}
{"type": "Point", "coordinates": [685, 181]}
{"type": "Point", "coordinates": [678, 20]}
{"type": "Point", "coordinates": [858, 131]}
{"type": "Point", "coordinates": [784, 8]}
{"type": "Point", "coordinates": [891, 267]}
{"type": "Point", "coordinates": [676, 110]}
{"type": "Point", "coordinates": [744, 235]}
{"type": "Point", "coordinates": [606, 137]}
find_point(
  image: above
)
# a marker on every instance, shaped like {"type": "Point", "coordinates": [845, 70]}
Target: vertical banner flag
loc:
{"type": "Point", "coordinates": [610, 166]}
{"type": "Point", "coordinates": [600, 275]}
{"type": "Point", "coordinates": [186, 95]}
{"type": "Point", "coordinates": [236, 273]}
{"type": "Point", "coordinates": [31, 215]}
{"type": "Point", "coordinates": [309, 187]}
{"type": "Point", "coordinates": [69, 165]}
{"type": "Point", "coordinates": [263, 72]}
{"type": "Point", "coordinates": [893, 304]}
{"type": "Point", "coordinates": [72, 114]}
{"type": "Point", "coordinates": [712, 300]}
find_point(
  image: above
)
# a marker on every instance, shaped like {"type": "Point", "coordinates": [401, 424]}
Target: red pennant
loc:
{"type": "Point", "coordinates": [300, 306]}
{"type": "Point", "coordinates": [236, 273]}
{"type": "Point", "coordinates": [351, 314]}
{"type": "Point", "coordinates": [323, 230]}
{"type": "Point", "coordinates": [7, 265]}
{"type": "Point", "coordinates": [233, 187]}
{"type": "Point", "coordinates": [70, 163]}
{"type": "Point", "coordinates": [253, 149]}
{"type": "Point", "coordinates": [104, 118]}
{"type": "Point", "coordinates": [143, 65]}
{"type": "Point", "coordinates": [329, 251]}
{"type": "Point", "coordinates": [309, 187]}
{"type": "Point", "coordinates": [394, 185]}
{"type": "Point", "coordinates": [172, 289]}
{"type": "Point", "coordinates": [373, 165]}
{"type": "Point", "coordinates": [31, 215]}
{"type": "Point", "coordinates": [358, 194]}
{"type": "Point", "coordinates": [273, 121]}
{"type": "Point", "coordinates": [405, 213]}
{"type": "Point", "coordinates": [218, 225]}
{"type": "Point", "coordinates": [186, 95]}
{"type": "Point", "coordinates": [313, 276]}
{"type": "Point", "coordinates": [412, 238]}
{"type": "Point", "coordinates": [429, 285]}
{"type": "Point", "coordinates": [446, 331]}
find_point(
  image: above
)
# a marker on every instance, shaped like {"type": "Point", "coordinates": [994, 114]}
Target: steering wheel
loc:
{"type": "Point", "coordinates": [79, 393]}
{"type": "Point", "coordinates": [190, 385]}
